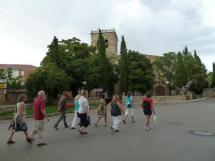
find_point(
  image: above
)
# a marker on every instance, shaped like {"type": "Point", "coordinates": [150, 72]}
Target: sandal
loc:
{"type": "Point", "coordinates": [11, 142]}
{"type": "Point", "coordinates": [80, 132]}
{"type": "Point", "coordinates": [85, 133]}
{"type": "Point", "coordinates": [29, 140]}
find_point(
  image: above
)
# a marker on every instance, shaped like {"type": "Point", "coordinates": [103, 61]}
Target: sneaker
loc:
{"type": "Point", "coordinates": [124, 122]}
{"type": "Point", "coordinates": [117, 130]}
{"type": "Point", "coordinates": [55, 127]}
{"type": "Point", "coordinates": [80, 132]}
{"type": "Point", "coordinates": [29, 140]}
{"type": "Point", "coordinates": [73, 128]}
{"type": "Point", "coordinates": [84, 133]}
{"type": "Point", "coordinates": [41, 144]}
{"type": "Point", "coordinates": [11, 142]}
{"type": "Point", "coordinates": [147, 129]}
{"type": "Point", "coordinates": [133, 121]}
{"type": "Point", "coordinates": [66, 126]}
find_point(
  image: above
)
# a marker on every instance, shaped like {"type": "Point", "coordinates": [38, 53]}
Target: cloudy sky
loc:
{"type": "Point", "coordinates": [149, 26]}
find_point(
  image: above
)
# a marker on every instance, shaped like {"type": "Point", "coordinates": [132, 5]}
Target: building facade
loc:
{"type": "Point", "coordinates": [19, 71]}
{"type": "Point", "coordinates": [111, 41]}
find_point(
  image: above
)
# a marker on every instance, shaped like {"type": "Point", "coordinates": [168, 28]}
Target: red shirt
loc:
{"type": "Point", "coordinates": [39, 104]}
{"type": "Point", "coordinates": [149, 100]}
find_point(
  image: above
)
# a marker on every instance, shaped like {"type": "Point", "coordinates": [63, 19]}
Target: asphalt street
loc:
{"type": "Point", "coordinates": [169, 140]}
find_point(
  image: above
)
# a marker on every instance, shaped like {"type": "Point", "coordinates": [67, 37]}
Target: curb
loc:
{"type": "Point", "coordinates": [30, 116]}
{"type": "Point", "coordinates": [188, 101]}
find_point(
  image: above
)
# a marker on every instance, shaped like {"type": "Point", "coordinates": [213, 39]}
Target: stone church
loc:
{"type": "Point", "coordinates": [160, 85]}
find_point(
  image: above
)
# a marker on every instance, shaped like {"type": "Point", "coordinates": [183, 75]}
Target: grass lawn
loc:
{"type": "Point", "coordinates": [49, 110]}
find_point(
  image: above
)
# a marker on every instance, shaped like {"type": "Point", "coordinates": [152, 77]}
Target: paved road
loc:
{"type": "Point", "coordinates": [169, 140]}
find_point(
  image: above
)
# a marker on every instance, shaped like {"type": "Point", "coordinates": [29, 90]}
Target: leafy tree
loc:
{"type": "Point", "coordinates": [49, 78]}
{"type": "Point", "coordinates": [166, 65]}
{"type": "Point", "coordinates": [213, 77]}
{"type": "Point", "coordinates": [71, 56]}
{"type": "Point", "coordinates": [180, 74]}
{"type": "Point", "coordinates": [198, 60]}
{"type": "Point", "coordinates": [55, 54]}
{"type": "Point", "coordinates": [140, 73]}
{"type": "Point", "coordinates": [123, 66]}
{"type": "Point", "coordinates": [189, 68]}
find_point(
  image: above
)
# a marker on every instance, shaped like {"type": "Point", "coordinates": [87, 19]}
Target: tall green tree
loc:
{"type": "Point", "coordinates": [180, 71]}
{"type": "Point", "coordinates": [213, 77]}
{"type": "Point", "coordinates": [55, 54]}
{"type": "Point", "coordinates": [107, 75]}
{"type": "Point", "coordinates": [140, 72]}
{"type": "Point", "coordinates": [123, 66]}
{"type": "Point", "coordinates": [198, 60]}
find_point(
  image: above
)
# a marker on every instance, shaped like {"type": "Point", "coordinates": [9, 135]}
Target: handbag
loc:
{"type": "Point", "coordinates": [88, 120]}
{"type": "Point", "coordinates": [13, 120]}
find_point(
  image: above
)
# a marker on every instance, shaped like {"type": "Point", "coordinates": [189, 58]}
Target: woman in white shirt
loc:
{"type": "Point", "coordinates": [83, 114]}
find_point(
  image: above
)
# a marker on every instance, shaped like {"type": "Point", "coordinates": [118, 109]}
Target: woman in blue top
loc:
{"type": "Point", "coordinates": [75, 119]}
{"type": "Point", "coordinates": [129, 103]}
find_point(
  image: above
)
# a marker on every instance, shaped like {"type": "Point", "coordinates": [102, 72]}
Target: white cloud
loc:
{"type": "Point", "coordinates": [150, 26]}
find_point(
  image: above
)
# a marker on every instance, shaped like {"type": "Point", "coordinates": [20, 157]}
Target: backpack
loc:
{"type": "Point", "coordinates": [146, 105]}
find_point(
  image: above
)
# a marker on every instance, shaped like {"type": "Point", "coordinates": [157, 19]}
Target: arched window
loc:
{"type": "Point", "coordinates": [106, 43]}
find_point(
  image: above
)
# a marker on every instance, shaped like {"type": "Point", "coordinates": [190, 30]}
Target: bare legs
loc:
{"type": "Point", "coordinates": [147, 122]}
{"type": "Point", "coordinates": [99, 118]}
{"type": "Point", "coordinates": [10, 140]}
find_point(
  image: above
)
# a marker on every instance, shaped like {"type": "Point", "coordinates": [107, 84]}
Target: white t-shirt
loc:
{"type": "Point", "coordinates": [83, 105]}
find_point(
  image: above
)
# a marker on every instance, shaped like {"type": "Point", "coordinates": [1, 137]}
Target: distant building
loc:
{"type": "Point", "coordinates": [19, 70]}
{"type": "Point", "coordinates": [111, 42]}
{"type": "Point", "coordinates": [160, 85]}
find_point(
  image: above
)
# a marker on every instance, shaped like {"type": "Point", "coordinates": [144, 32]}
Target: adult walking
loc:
{"type": "Point", "coordinates": [148, 109]}
{"type": "Point", "coordinates": [62, 110]}
{"type": "Point", "coordinates": [102, 111]}
{"type": "Point", "coordinates": [83, 113]}
{"type": "Point", "coordinates": [129, 103]}
{"type": "Point", "coordinates": [19, 123]}
{"type": "Point", "coordinates": [39, 116]}
{"type": "Point", "coordinates": [75, 118]}
{"type": "Point", "coordinates": [116, 113]}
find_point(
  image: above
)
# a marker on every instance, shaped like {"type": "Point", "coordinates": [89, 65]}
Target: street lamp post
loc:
{"type": "Point", "coordinates": [167, 84]}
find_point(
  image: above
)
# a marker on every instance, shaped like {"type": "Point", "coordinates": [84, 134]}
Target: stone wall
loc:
{"type": "Point", "coordinates": [111, 38]}
{"type": "Point", "coordinates": [11, 96]}
{"type": "Point", "coordinates": [138, 99]}
{"type": "Point", "coordinates": [209, 92]}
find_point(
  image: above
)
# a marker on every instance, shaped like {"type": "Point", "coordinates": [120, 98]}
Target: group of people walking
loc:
{"type": "Point", "coordinates": [81, 114]}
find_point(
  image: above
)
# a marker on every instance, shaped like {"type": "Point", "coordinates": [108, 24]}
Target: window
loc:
{"type": "Point", "coordinates": [15, 73]}
{"type": "Point", "coordinates": [22, 73]}
{"type": "Point", "coordinates": [106, 43]}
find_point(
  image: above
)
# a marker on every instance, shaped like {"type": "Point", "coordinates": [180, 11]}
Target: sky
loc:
{"type": "Point", "coordinates": [149, 26]}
